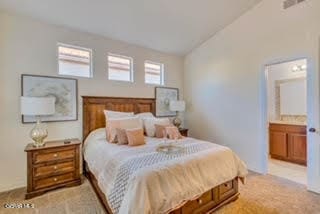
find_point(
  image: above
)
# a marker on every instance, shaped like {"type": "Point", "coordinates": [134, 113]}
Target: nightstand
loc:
{"type": "Point", "coordinates": [52, 166]}
{"type": "Point", "coordinates": [184, 132]}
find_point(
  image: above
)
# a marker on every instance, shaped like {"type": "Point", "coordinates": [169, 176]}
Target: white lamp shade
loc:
{"type": "Point", "coordinates": [177, 105]}
{"type": "Point", "coordinates": [37, 106]}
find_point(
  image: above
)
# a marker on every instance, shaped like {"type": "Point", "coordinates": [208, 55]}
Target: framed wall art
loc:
{"type": "Point", "coordinates": [163, 97]}
{"type": "Point", "coordinates": [65, 91]}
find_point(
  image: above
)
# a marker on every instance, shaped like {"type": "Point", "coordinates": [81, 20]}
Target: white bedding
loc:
{"type": "Point", "coordinates": [140, 180]}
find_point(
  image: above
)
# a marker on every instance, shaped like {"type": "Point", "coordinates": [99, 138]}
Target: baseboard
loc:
{"type": "Point", "coordinates": [13, 186]}
{"type": "Point", "coordinates": [256, 170]}
{"type": "Point", "coordinates": [16, 185]}
{"type": "Point", "coordinates": [314, 189]}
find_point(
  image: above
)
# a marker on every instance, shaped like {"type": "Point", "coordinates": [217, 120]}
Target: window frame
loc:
{"type": "Point", "coordinates": [131, 71]}
{"type": "Point", "coordinates": [60, 44]}
{"type": "Point", "coordinates": [161, 72]}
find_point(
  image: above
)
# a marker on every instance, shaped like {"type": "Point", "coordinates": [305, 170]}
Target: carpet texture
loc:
{"type": "Point", "coordinates": [263, 194]}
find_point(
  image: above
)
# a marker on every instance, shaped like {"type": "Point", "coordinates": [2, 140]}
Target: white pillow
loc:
{"type": "Point", "coordinates": [149, 125]}
{"type": "Point", "coordinates": [145, 115]}
{"type": "Point", "coordinates": [95, 135]}
{"type": "Point", "coordinates": [121, 123]}
{"type": "Point", "coordinates": [117, 114]}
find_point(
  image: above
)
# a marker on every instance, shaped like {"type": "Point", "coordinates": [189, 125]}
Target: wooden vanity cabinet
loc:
{"type": "Point", "coordinates": [278, 144]}
{"type": "Point", "coordinates": [288, 142]}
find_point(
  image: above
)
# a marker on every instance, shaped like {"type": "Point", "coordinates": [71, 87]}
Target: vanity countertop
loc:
{"type": "Point", "coordinates": [297, 123]}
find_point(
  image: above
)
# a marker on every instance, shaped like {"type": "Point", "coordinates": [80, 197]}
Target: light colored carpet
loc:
{"type": "Point", "coordinates": [273, 195]}
{"type": "Point", "coordinates": [261, 195]}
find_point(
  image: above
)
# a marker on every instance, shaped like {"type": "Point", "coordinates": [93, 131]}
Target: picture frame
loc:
{"type": "Point", "coordinates": [65, 90]}
{"type": "Point", "coordinates": [163, 97]}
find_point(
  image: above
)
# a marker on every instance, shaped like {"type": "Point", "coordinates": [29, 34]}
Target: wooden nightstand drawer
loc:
{"type": "Point", "coordinates": [58, 168]}
{"type": "Point", "coordinates": [51, 181]}
{"type": "Point", "coordinates": [52, 166]}
{"type": "Point", "coordinates": [45, 156]}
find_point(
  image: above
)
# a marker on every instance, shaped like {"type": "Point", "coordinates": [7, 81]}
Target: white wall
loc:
{"type": "Point", "coordinates": [282, 71]}
{"type": "Point", "coordinates": [223, 76]}
{"type": "Point", "coordinates": [29, 47]}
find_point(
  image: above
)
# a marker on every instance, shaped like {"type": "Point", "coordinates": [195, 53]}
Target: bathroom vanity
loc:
{"type": "Point", "coordinates": [288, 141]}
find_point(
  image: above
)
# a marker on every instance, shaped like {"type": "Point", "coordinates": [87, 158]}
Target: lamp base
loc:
{"type": "Point", "coordinates": [38, 144]}
{"type": "Point", "coordinates": [177, 122]}
{"type": "Point", "coordinates": [38, 134]}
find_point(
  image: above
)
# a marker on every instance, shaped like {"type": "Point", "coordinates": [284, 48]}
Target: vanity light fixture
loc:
{"type": "Point", "coordinates": [295, 68]}
{"type": "Point", "coordinates": [304, 67]}
{"type": "Point", "coordinates": [299, 68]}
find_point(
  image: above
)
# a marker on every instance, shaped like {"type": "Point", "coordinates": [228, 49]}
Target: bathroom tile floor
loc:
{"type": "Point", "coordinates": [290, 171]}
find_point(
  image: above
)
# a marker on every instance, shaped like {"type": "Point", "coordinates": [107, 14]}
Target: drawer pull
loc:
{"type": "Point", "coordinates": [55, 167]}
{"type": "Point", "coordinates": [55, 179]}
{"type": "Point", "coordinates": [200, 201]}
{"type": "Point", "coordinates": [55, 155]}
{"type": "Point", "coordinates": [226, 185]}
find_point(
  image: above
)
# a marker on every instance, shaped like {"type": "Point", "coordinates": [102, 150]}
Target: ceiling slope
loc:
{"type": "Point", "coordinates": [169, 26]}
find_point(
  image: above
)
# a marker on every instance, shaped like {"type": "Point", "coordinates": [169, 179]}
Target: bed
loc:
{"type": "Point", "coordinates": [178, 185]}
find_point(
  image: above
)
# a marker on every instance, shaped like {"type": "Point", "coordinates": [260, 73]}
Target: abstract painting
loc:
{"type": "Point", "coordinates": [163, 97]}
{"type": "Point", "coordinates": [65, 90]}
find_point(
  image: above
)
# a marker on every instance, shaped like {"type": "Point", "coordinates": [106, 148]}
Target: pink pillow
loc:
{"type": "Point", "coordinates": [122, 138]}
{"type": "Point", "coordinates": [149, 125]}
{"type": "Point", "coordinates": [173, 132]}
{"type": "Point", "coordinates": [121, 123]}
{"type": "Point", "coordinates": [135, 137]}
{"type": "Point", "coordinates": [161, 130]}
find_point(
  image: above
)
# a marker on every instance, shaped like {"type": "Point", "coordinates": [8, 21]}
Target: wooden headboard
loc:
{"type": "Point", "coordinates": [93, 116]}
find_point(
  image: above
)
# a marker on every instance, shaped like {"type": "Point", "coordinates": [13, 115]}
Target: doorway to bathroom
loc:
{"type": "Point", "coordinates": [287, 119]}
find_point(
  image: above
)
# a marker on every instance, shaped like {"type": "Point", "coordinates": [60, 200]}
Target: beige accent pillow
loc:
{"type": "Point", "coordinates": [116, 114]}
{"type": "Point", "coordinates": [161, 130]}
{"type": "Point", "coordinates": [173, 133]}
{"type": "Point", "coordinates": [149, 125]}
{"type": "Point", "coordinates": [144, 115]}
{"type": "Point", "coordinates": [135, 137]}
{"type": "Point", "coordinates": [122, 138]}
{"type": "Point", "coordinates": [121, 123]}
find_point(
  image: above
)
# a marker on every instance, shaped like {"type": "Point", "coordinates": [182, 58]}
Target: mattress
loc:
{"type": "Point", "coordinates": [142, 180]}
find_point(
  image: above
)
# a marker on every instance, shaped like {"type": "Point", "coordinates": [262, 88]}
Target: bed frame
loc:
{"type": "Point", "coordinates": [93, 118]}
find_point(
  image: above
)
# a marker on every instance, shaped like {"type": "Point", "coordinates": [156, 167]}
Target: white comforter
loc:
{"type": "Point", "coordinates": [140, 180]}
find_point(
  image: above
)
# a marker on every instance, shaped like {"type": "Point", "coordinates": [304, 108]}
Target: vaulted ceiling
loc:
{"type": "Point", "coordinates": [172, 26]}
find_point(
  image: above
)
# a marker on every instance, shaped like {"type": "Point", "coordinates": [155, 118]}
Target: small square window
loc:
{"type": "Point", "coordinates": [120, 68]}
{"type": "Point", "coordinates": [153, 73]}
{"type": "Point", "coordinates": [74, 61]}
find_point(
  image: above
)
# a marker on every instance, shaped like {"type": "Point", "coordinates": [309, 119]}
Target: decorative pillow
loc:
{"type": "Point", "coordinates": [161, 130]}
{"type": "Point", "coordinates": [173, 133]}
{"type": "Point", "coordinates": [135, 137]}
{"type": "Point", "coordinates": [145, 115]}
{"type": "Point", "coordinates": [121, 123]}
{"type": "Point", "coordinates": [122, 138]}
{"type": "Point", "coordinates": [149, 125]}
{"type": "Point", "coordinates": [116, 114]}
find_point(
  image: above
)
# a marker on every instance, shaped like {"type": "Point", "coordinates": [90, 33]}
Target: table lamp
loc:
{"type": "Point", "coordinates": [38, 106]}
{"type": "Point", "coordinates": [178, 106]}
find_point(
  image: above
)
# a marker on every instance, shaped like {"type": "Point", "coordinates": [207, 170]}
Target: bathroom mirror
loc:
{"type": "Point", "coordinates": [293, 97]}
